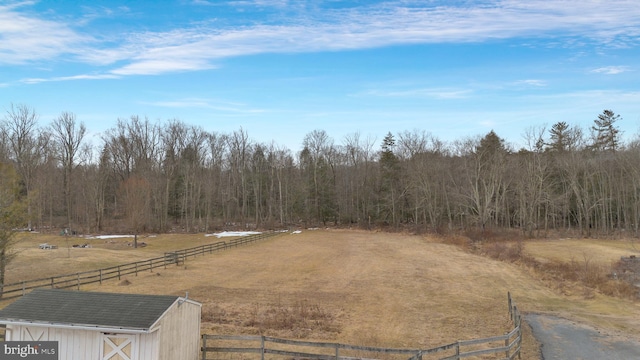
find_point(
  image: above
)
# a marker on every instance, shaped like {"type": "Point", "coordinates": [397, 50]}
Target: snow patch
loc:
{"type": "Point", "coordinates": [233, 233]}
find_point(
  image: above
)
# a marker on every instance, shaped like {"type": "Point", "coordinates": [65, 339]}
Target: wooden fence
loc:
{"type": "Point", "coordinates": [75, 280]}
{"type": "Point", "coordinates": [503, 347]}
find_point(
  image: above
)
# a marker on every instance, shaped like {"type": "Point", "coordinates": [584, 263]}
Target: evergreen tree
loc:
{"type": "Point", "coordinates": [606, 136]}
{"type": "Point", "coordinates": [12, 215]}
{"type": "Point", "coordinates": [559, 137]}
{"type": "Point", "coordinates": [389, 179]}
{"type": "Point", "coordinates": [491, 145]}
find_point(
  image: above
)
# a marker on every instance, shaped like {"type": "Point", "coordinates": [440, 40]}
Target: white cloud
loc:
{"type": "Point", "coordinates": [29, 37]}
{"type": "Point", "coordinates": [159, 66]}
{"type": "Point", "coordinates": [611, 70]}
{"type": "Point", "coordinates": [532, 82]}
{"type": "Point", "coordinates": [69, 78]}
{"type": "Point", "coordinates": [432, 93]}
{"type": "Point", "coordinates": [26, 38]}
{"type": "Point", "coordinates": [213, 104]}
{"type": "Point", "coordinates": [369, 27]}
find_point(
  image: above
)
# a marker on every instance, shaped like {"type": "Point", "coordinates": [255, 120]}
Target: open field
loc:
{"type": "Point", "coordinates": [602, 252]}
{"type": "Point", "coordinates": [102, 253]}
{"type": "Point", "coordinates": [374, 289]}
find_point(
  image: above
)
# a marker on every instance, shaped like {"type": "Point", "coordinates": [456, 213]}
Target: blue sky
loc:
{"type": "Point", "coordinates": [280, 69]}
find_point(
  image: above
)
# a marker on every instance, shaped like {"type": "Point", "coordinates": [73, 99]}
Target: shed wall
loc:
{"type": "Point", "coordinates": [72, 344]}
{"type": "Point", "coordinates": [180, 332]}
{"type": "Point", "coordinates": [149, 346]}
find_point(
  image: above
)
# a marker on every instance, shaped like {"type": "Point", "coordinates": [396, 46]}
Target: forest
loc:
{"type": "Point", "coordinates": [144, 176]}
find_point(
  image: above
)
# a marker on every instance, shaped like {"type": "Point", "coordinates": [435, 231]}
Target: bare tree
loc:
{"type": "Point", "coordinates": [486, 171]}
{"type": "Point", "coordinates": [317, 158]}
{"type": "Point", "coordinates": [26, 144]}
{"type": "Point", "coordinates": [136, 193]}
{"type": "Point", "coordinates": [214, 193]}
{"type": "Point", "coordinates": [239, 146]}
{"type": "Point", "coordinates": [192, 162]}
{"type": "Point", "coordinates": [533, 183]}
{"type": "Point", "coordinates": [67, 135]}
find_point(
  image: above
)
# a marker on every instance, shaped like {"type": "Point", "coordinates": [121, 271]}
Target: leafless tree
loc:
{"type": "Point", "coordinates": [26, 144]}
{"type": "Point", "coordinates": [67, 135]}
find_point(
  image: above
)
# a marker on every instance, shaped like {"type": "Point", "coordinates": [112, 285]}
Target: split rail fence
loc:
{"type": "Point", "coordinates": [75, 280]}
{"type": "Point", "coordinates": [505, 347]}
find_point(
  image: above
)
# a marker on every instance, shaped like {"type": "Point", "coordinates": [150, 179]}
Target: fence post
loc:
{"type": "Point", "coordinates": [204, 346]}
{"type": "Point", "coordinates": [519, 343]}
{"type": "Point", "coordinates": [506, 344]}
{"type": "Point", "coordinates": [150, 265]}
{"type": "Point", "coordinates": [262, 347]}
{"type": "Point", "coordinates": [100, 276]}
{"type": "Point", "coordinates": [337, 352]}
{"type": "Point", "coordinates": [23, 288]}
{"type": "Point", "coordinates": [78, 280]}
{"type": "Point", "coordinates": [52, 284]}
{"type": "Point", "coordinates": [458, 350]}
{"type": "Point", "coordinates": [118, 272]}
{"type": "Point", "coordinates": [136, 267]}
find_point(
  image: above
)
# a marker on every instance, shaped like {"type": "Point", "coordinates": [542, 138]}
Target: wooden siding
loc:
{"type": "Point", "coordinates": [180, 332]}
{"type": "Point", "coordinates": [72, 344]}
{"type": "Point", "coordinates": [149, 348]}
{"type": "Point", "coordinates": [176, 336]}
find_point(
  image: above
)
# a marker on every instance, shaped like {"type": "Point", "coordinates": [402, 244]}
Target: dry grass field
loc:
{"type": "Point", "coordinates": [33, 263]}
{"type": "Point", "coordinates": [355, 287]}
{"type": "Point", "coordinates": [602, 252]}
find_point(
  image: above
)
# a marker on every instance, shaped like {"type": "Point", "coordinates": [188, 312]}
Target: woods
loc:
{"type": "Point", "coordinates": [142, 176]}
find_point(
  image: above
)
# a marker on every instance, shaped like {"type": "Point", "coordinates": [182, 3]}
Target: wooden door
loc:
{"type": "Point", "coordinates": [118, 347]}
{"type": "Point", "coordinates": [34, 334]}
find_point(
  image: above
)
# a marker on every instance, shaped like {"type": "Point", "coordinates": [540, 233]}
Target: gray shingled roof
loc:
{"type": "Point", "coordinates": [81, 308]}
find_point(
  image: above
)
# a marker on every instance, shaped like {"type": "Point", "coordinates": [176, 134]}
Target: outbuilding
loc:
{"type": "Point", "coordinates": [107, 326]}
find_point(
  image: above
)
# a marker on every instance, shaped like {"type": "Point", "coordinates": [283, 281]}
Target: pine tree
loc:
{"type": "Point", "coordinates": [12, 215]}
{"type": "Point", "coordinates": [559, 137]}
{"type": "Point", "coordinates": [606, 134]}
{"type": "Point", "coordinates": [389, 179]}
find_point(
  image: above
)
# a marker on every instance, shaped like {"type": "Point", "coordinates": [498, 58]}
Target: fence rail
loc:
{"type": "Point", "coordinates": [75, 280]}
{"type": "Point", "coordinates": [510, 345]}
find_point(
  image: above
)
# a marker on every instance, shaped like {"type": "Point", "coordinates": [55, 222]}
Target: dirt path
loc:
{"type": "Point", "coordinates": [562, 339]}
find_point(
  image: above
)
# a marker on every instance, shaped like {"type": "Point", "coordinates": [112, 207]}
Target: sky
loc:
{"type": "Point", "coordinates": [280, 69]}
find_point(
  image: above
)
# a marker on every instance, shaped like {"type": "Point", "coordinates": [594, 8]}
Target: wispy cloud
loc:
{"type": "Point", "coordinates": [158, 66]}
{"type": "Point", "coordinates": [28, 37]}
{"type": "Point", "coordinates": [25, 37]}
{"type": "Point", "coordinates": [261, 3]}
{"type": "Point", "coordinates": [69, 78]}
{"type": "Point", "coordinates": [431, 93]}
{"type": "Point", "coordinates": [213, 104]}
{"type": "Point", "coordinates": [532, 82]}
{"type": "Point", "coordinates": [611, 70]}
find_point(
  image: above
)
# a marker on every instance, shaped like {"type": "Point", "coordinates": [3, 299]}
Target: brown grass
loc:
{"type": "Point", "coordinates": [357, 287]}
{"type": "Point", "coordinates": [598, 251]}
{"type": "Point", "coordinates": [33, 263]}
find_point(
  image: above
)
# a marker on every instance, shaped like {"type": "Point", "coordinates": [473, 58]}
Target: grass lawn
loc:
{"type": "Point", "coordinates": [355, 287]}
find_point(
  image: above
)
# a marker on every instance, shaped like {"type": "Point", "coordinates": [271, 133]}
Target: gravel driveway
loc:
{"type": "Point", "coordinates": [563, 339]}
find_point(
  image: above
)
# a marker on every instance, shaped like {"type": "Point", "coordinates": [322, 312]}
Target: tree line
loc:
{"type": "Point", "coordinates": [144, 176]}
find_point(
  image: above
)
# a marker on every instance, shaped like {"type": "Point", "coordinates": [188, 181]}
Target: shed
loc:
{"type": "Point", "coordinates": [107, 326]}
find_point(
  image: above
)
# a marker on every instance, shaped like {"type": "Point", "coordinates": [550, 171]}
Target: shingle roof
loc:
{"type": "Point", "coordinates": [81, 308]}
